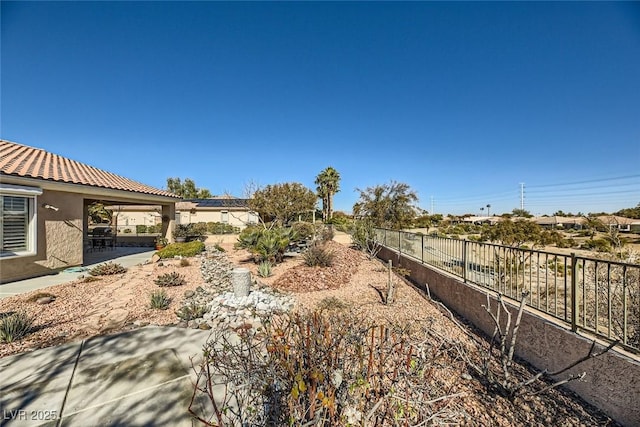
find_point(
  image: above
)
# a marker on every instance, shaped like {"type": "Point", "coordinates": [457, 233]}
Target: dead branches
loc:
{"type": "Point", "coordinates": [502, 347]}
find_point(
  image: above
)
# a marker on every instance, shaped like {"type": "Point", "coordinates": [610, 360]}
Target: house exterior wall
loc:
{"type": "Point", "coordinates": [59, 238]}
{"type": "Point", "coordinates": [613, 379]}
{"type": "Point", "coordinates": [235, 218]}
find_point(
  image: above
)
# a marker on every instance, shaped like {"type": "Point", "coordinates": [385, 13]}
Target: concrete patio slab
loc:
{"type": "Point", "coordinates": [143, 377]}
{"type": "Point", "coordinates": [33, 385]}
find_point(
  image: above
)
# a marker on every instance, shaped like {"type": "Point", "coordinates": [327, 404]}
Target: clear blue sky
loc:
{"type": "Point", "coordinates": [462, 101]}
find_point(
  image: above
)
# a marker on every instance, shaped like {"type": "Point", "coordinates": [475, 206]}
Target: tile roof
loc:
{"type": "Point", "coordinates": [24, 161]}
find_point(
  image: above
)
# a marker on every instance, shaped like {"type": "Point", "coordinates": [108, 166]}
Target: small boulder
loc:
{"type": "Point", "coordinates": [45, 300]}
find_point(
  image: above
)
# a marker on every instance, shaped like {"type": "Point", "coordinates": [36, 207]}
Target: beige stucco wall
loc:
{"type": "Point", "coordinates": [613, 380]}
{"type": "Point", "coordinates": [59, 238]}
{"type": "Point", "coordinates": [236, 218]}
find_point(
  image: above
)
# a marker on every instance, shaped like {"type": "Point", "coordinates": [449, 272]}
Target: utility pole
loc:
{"type": "Point", "coordinates": [522, 196]}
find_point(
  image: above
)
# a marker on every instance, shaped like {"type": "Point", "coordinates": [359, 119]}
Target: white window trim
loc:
{"type": "Point", "coordinates": [31, 193]}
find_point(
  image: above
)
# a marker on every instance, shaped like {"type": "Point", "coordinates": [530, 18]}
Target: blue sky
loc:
{"type": "Point", "coordinates": [462, 101]}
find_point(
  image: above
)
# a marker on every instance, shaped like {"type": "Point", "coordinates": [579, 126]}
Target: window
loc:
{"type": "Point", "coordinates": [224, 217]}
{"type": "Point", "coordinates": [17, 220]}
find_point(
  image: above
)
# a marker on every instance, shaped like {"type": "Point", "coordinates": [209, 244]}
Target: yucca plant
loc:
{"type": "Point", "coordinates": [264, 269]}
{"type": "Point", "coordinates": [15, 326]}
{"type": "Point", "coordinates": [272, 244]}
{"type": "Point", "coordinates": [170, 279]}
{"type": "Point", "coordinates": [159, 300]}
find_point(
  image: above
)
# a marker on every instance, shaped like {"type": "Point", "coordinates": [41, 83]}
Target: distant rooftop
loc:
{"type": "Point", "coordinates": [214, 202]}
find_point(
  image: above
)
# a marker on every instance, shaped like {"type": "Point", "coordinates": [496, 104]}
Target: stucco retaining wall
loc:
{"type": "Point", "coordinates": [613, 379]}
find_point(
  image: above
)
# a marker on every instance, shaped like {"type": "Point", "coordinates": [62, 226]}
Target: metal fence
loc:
{"type": "Point", "coordinates": [595, 295]}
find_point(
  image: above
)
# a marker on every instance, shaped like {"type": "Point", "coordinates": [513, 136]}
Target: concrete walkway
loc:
{"type": "Point", "coordinates": [137, 378]}
{"type": "Point", "coordinates": [126, 256]}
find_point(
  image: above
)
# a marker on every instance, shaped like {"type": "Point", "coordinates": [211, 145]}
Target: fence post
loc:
{"type": "Point", "coordinates": [464, 260]}
{"type": "Point", "coordinates": [399, 243]}
{"type": "Point", "coordinates": [574, 293]}
{"type": "Point", "coordinates": [422, 246]}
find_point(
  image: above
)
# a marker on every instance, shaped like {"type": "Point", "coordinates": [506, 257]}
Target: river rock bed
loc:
{"type": "Point", "coordinates": [214, 305]}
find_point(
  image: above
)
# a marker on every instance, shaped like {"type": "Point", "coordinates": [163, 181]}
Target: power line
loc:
{"type": "Point", "coordinates": [586, 181]}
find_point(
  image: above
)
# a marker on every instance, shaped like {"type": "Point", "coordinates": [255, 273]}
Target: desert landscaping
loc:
{"type": "Point", "coordinates": [354, 283]}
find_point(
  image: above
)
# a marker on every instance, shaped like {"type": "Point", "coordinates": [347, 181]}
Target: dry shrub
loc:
{"type": "Point", "coordinates": [327, 368]}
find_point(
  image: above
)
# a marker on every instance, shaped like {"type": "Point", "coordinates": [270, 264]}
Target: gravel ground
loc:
{"type": "Point", "coordinates": [115, 303]}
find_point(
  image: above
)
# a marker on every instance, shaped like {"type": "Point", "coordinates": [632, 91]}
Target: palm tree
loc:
{"type": "Point", "coordinates": [328, 182]}
{"type": "Point", "coordinates": [488, 210]}
{"type": "Point", "coordinates": [481, 210]}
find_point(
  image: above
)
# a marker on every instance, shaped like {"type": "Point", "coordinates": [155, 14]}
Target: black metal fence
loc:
{"type": "Point", "coordinates": [595, 295]}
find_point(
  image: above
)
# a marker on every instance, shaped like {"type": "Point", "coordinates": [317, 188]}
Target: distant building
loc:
{"type": "Point", "coordinates": [226, 210]}
{"type": "Point", "coordinates": [622, 223]}
{"type": "Point", "coordinates": [564, 222]}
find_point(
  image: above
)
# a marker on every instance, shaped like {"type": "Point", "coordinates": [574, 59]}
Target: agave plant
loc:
{"type": "Point", "coordinates": [264, 269]}
{"type": "Point", "coordinates": [15, 326]}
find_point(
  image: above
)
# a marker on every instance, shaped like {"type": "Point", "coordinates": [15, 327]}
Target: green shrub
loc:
{"type": "Point", "coordinates": [141, 229]}
{"type": "Point", "coordinates": [181, 249]}
{"type": "Point", "coordinates": [197, 230]}
{"type": "Point", "coordinates": [159, 300]}
{"type": "Point", "coordinates": [190, 312]}
{"type": "Point", "coordinates": [90, 279]}
{"type": "Point", "coordinates": [302, 231]}
{"type": "Point", "coordinates": [566, 243]}
{"type": "Point", "coordinates": [265, 244]}
{"type": "Point", "coordinates": [153, 229]}
{"type": "Point", "coordinates": [264, 269]}
{"type": "Point", "coordinates": [107, 269]}
{"type": "Point", "coordinates": [170, 279]}
{"type": "Point", "coordinates": [221, 228]}
{"type": "Point", "coordinates": [15, 326]}
{"type": "Point", "coordinates": [600, 245]}
{"type": "Point", "coordinates": [317, 255]}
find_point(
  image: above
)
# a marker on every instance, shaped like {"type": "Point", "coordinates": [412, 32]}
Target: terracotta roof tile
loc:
{"type": "Point", "coordinates": [22, 160]}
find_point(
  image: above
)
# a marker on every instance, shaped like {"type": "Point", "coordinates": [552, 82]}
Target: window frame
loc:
{"type": "Point", "coordinates": [31, 195]}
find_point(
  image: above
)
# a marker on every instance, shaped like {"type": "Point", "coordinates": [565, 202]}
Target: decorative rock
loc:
{"type": "Point", "coordinates": [155, 258]}
{"type": "Point", "coordinates": [241, 281]}
{"type": "Point", "coordinates": [225, 310]}
{"type": "Point", "coordinates": [45, 300]}
{"type": "Point", "coordinates": [189, 294]}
